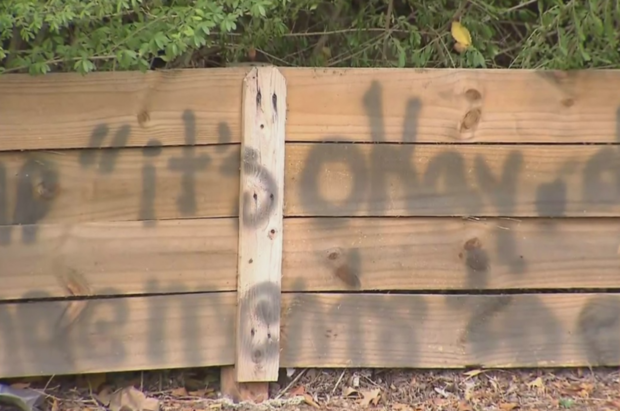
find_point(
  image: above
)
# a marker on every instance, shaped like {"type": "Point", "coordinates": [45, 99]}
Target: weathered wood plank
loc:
{"type": "Point", "coordinates": [261, 201]}
{"type": "Point", "coordinates": [318, 255]}
{"type": "Point", "coordinates": [318, 330]}
{"type": "Point", "coordinates": [450, 254]}
{"type": "Point", "coordinates": [434, 331]}
{"type": "Point", "coordinates": [114, 185]}
{"type": "Point", "coordinates": [155, 332]}
{"type": "Point", "coordinates": [61, 110]}
{"type": "Point", "coordinates": [453, 106]}
{"type": "Point", "coordinates": [128, 257]}
{"type": "Point", "coordinates": [441, 180]}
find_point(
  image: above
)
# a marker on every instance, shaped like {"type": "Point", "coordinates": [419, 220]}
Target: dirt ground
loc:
{"type": "Point", "coordinates": [312, 389]}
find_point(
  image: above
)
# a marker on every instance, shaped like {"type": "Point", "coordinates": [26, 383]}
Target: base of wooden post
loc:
{"type": "Point", "coordinates": [255, 392]}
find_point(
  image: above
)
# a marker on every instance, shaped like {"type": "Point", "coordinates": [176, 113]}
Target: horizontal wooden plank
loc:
{"type": "Point", "coordinates": [453, 106]}
{"type": "Point", "coordinates": [319, 330]}
{"type": "Point", "coordinates": [139, 333]}
{"type": "Point", "coordinates": [122, 258]}
{"type": "Point", "coordinates": [447, 180]}
{"type": "Point", "coordinates": [320, 180]}
{"type": "Point", "coordinates": [118, 185]}
{"type": "Point", "coordinates": [64, 110]}
{"type": "Point", "coordinates": [433, 331]}
{"type": "Point", "coordinates": [450, 254]}
{"type": "Point", "coordinates": [319, 255]}
{"type": "Point", "coordinates": [456, 106]}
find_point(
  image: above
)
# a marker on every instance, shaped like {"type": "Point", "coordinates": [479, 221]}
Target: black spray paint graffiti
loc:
{"type": "Point", "coordinates": [37, 187]}
{"type": "Point", "coordinates": [149, 182]}
{"type": "Point", "coordinates": [261, 306]}
{"type": "Point", "coordinates": [108, 157]}
{"type": "Point", "coordinates": [259, 202]}
{"type": "Point", "coordinates": [484, 337]}
{"type": "Point", "coordinates": [41, 346]}
{"type": "Point", "coordinates": [38, 180]}
{"type": "Point", "coordinates": [189, 165]}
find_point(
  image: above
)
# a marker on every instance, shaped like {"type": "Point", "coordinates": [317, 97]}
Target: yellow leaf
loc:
{"type": "Point", "coordinates": [461, 34]}
{"type": "Point", "coordinates": [538, 383]}
{"type": "Point", "coordinates": [473, 373]}
{"type": "Point", "coordinates": [310, 401]}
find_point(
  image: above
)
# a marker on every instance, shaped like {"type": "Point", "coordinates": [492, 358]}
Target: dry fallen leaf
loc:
{"type": "Point", "coordinates": [94, 381]}
{"type": "Point", "coordinates": [508, 406]}
{"type": "Point", "coordinates": [349, 391]}
{"type": "Point", "coordinates": [310, 401]}
{"type": "Point", "coordinates": [131, 399]}
{"type": "Point", "coordinates": [461, 35]}
{"type": "Point", "coordinates": [179, 392]}
{"type": "Point", "coordinates": [473, 373]}
{"type": "Point", "coordinates": [400, 407]}
{"type": "Point", "coordinates": [20, 385]}
{"type": "Point", "coordinates": [104, 396]}
{"type": "Point", "coordinates": [538, 383]}
{"type": "Point", "coordinates": [371, 396]}
{"type": "Point", "coordinates": [299, 390]}
{"type": "Point", "coordinates": [198, 393]}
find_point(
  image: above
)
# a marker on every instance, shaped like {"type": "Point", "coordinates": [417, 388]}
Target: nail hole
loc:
{"type": "Point", "coordinates": [262, 126]}
{"type": "Point", "coordinates": [255, 196]}
{"type": "Point", "coordinates": [251, 261]}
{"type": "Point", "coordinates": [273, 231]}
{"type": "Point", "coordinates": [253, 331]}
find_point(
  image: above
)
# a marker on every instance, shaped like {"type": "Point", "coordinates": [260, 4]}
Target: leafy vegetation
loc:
{"type": "Point", "coordinates": [40, 36]}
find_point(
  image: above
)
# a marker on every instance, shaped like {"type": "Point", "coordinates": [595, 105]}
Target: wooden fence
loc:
{"type": "Point", "coordinates": [490, 238]}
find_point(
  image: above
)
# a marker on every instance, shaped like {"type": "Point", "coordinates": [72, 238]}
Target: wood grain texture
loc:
{"type": "Point", "coordinates": [119, 258]}
{"type": "Point", "coordinates": [441, 180]}
{"type": "Point", "coordinates": [455, 106]}
{"type": "Point", "coordinates": [58, 111]}
{"type": "Point", "coordinates": [450, 254]}
{"type": "Point", "coordinates": [139, 333]}
{"type": "Point", "coordinates": [114, 258]}
{"type": "Point", "coordinates": [261, 200]}
{"type": "Point", "coordinates": [435, 331]}
{"type": "Point", "coordinates": [107, 185]}
{"type": "Point", "coordinates": [318, 330]}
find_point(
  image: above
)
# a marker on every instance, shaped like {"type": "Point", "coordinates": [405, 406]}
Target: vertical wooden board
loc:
{"type": "Point", "coordinates": [260, 225]}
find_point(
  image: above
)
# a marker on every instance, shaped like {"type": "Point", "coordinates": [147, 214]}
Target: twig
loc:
{"type": "Point", "coordinates": [318, 48]}
{"type": "Point", "coordinates": [49, 381]}
{"type": "Point", "coordinates": [56, 61]}
{"type": "Point", "coordinates": [273, 57]}
{"type": "Point", "coordinates": [288, 387]}
{"type": "Point", "coordinates": [388, 18]}
{"type": "Point", "coordinates": [338, 382]}
{"type": "Point", "coordinates": [367, 45]}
